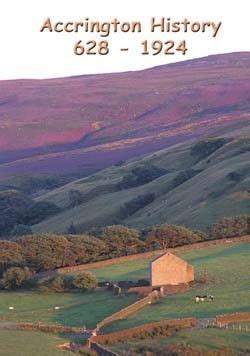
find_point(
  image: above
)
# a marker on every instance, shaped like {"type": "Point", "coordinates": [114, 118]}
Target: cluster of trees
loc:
{"type": "Point", "coordinates": [22, 277]}
{"type": "Point", "coordinates": [47, 251]}
{"type": "Point", "coordinates": [82, 281]}
{"type": "Point", "coordinates": [18, 212]}
{"type": "Point", "coordinates": [185, 175]}
{"type": "Point", "coordinates": [231, 227]}
{"type": "Point", "coordinates": [140, 176]}
{"type": "Point", "coordinates": [135, 204]}
{"type": "Point", "coordinates": [34, 183]}
{"type": "Point", "coordinates": [204, 148]}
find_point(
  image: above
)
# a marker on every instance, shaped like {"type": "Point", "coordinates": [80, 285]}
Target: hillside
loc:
{"type": "Point", "coordinates": [86, 123]}
{"type": "Point", "coordinates": [192, 184]}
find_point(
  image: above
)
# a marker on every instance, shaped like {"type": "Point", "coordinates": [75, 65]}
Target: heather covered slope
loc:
{"type": "Point", "coordinates": [85, 123]}
{"type": "Point", "coordinates": [192, 184]}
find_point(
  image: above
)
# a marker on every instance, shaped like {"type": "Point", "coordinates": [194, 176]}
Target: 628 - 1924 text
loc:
{"type": "Point", "coordinates": [147, 48]}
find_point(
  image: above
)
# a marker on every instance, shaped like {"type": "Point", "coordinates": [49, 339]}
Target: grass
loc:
{"type": "Point", "coordinates": [24, 343]}
{"type": "Point", "coordinates": [129, 271]}
{"type": "Point", "coordinates": [77, 309]}
{"type": "Point", "coordinates": [227, 269]}
{"type": "Point", "coordinates": [206, 339]}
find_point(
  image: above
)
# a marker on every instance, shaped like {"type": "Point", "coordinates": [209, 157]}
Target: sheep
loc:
{"type": "Point", "coordinates": [201, 298]}
{"type": "Point", "coordinates": [11, 308]}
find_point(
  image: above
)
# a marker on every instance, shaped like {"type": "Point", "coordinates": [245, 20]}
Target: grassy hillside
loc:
{"type": "Point", "coordinates": [196, 186]}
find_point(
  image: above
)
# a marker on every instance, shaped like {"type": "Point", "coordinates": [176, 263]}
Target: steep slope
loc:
{"type": "Point", "coordinates": [197, 184]}
{"type": "Point", "coordinates": [85, 123]}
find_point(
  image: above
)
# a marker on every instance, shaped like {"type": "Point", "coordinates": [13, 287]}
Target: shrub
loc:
{"type": "Point", "coordinates": [231, 227]}
{"type": "Point", "coordinates": [16, 277]}
{"type": "Point", "coordinates": [84, 281]}
{"type": "Point", "coordinates": [236, 176]}
{"type": "Point", "coordinates": [10, 254]}
{"type": "Point", "coordinates": [54, 284]}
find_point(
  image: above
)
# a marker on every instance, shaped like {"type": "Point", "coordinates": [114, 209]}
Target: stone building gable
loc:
{"type": "Point", "coordinates": [170, 269]}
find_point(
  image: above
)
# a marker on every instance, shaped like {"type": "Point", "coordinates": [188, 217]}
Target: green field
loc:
{"type": "Point", "coordinates": [227, 269]}
{"type": "Point", "coordinates": [205, 339]}
{"type": "Point", "coordinates": [77, 309]}
{"type": "Point", "coordinates": [24, 343]}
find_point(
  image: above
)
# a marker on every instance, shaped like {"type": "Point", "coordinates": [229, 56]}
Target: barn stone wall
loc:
{"type": "Point", "coordinates": [170, 269]}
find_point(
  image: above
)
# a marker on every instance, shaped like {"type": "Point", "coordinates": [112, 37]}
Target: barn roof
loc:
{"type": "Point", "coordinates": [168, 254]}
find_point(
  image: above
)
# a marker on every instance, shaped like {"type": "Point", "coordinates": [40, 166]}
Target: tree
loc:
{"type": "Point", "coordinates": [166, 236]}
{"type": "Point", "coordinates": [44, 252]}
{"type": "Point", "coordinates": [84, 281]}
{"type": "Point", "coordinates": [75, 198]}
{"type": "Point", "coordinates": [15, 277]}
{"type": "Point", "coordinates": [72, 229]}
{"type": "Point", "coordinates": [84, 249]}
{"type": "Point", "coordinates": [121, 239]}
{"type": "Point", "coordinates": [231, 227]}
{"type": "Point", "coordinates": [10, 253]}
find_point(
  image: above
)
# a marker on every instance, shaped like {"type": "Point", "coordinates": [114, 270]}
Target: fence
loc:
{"type": "Point", "coordinates": [232, 318]}
{"type": "Point", "coordinates": [50, 328]}
{"type": "Point", "coordinates": [165, 327]}
{"type": "Point", "coordinates": [101, 350]}
{"type": "Point", "coordinates": [238, 327]}
{"type": "Point", "coordinates": [131, 309]}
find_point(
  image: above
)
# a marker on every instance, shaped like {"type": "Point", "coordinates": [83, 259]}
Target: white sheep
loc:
{"type": "Point", "coordinates": [11, 308]}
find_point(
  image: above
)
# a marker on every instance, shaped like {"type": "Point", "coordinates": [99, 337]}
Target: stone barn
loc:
{"type": "Point", "coordinates": [170, 269]}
